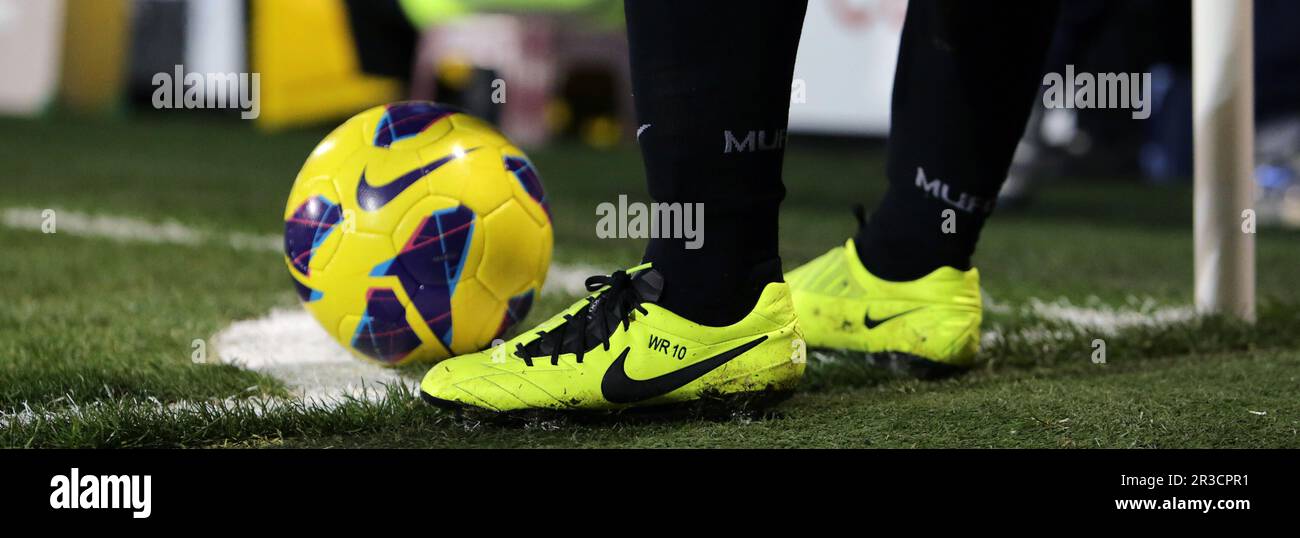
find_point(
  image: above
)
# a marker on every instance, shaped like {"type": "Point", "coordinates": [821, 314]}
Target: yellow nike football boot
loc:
{"type": "Point", "coordinates": [617, 349]}
{"type": "Point", "coordinates": [928, 327]}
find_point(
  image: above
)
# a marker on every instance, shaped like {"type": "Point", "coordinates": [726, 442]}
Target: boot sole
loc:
{"type": "Point", "coordinates": [712, 406]}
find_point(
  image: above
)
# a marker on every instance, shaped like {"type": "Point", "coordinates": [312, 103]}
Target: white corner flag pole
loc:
{"type": "Point", "coordinates": [1224, 131]}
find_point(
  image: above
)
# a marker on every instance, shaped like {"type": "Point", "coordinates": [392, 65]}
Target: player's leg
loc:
{"type": "Point", "coordinates": [903, 288]}
{"type": "Point", "coordinates": [712, 88]}
{"type": "Point", "coordinates": [708, 315]}
{"type": "Point", "coordinates": [965, 85]}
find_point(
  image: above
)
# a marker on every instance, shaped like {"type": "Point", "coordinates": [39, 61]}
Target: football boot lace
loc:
{"type": "Point", "coordinates": [614, 301]}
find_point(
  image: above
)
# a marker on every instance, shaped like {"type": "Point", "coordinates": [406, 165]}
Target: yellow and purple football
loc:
{"type": "Point", "coordinates": [415, 232]}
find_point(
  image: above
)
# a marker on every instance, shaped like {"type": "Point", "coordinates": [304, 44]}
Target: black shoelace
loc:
{"type": "Point", "coordinates": [620, 294]}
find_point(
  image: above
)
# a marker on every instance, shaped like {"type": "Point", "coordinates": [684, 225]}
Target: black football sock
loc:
{"type": "Point", "coordinates": [711, 82]}
{"type": "Point", "coordinates": [965, 84]}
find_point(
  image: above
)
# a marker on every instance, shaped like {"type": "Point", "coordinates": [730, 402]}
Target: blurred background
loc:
{"type": "Point", "coordinates": [547, 70]}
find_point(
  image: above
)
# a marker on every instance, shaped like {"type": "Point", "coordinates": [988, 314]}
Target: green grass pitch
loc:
{"type": "Point", "coordinates": [95, 335]}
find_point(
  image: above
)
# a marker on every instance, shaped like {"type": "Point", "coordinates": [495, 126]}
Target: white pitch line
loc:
{"type": "Point", "coordinates": [560, 278]}
{"type": "Point", "coordinates": [133, 230]}
{"type": "Point", "coordinates": [1108, 319]}
{"type": "Point", "coordinates": [291, 346]}
{"type": "Point", "coordinates": [1104, 319]}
